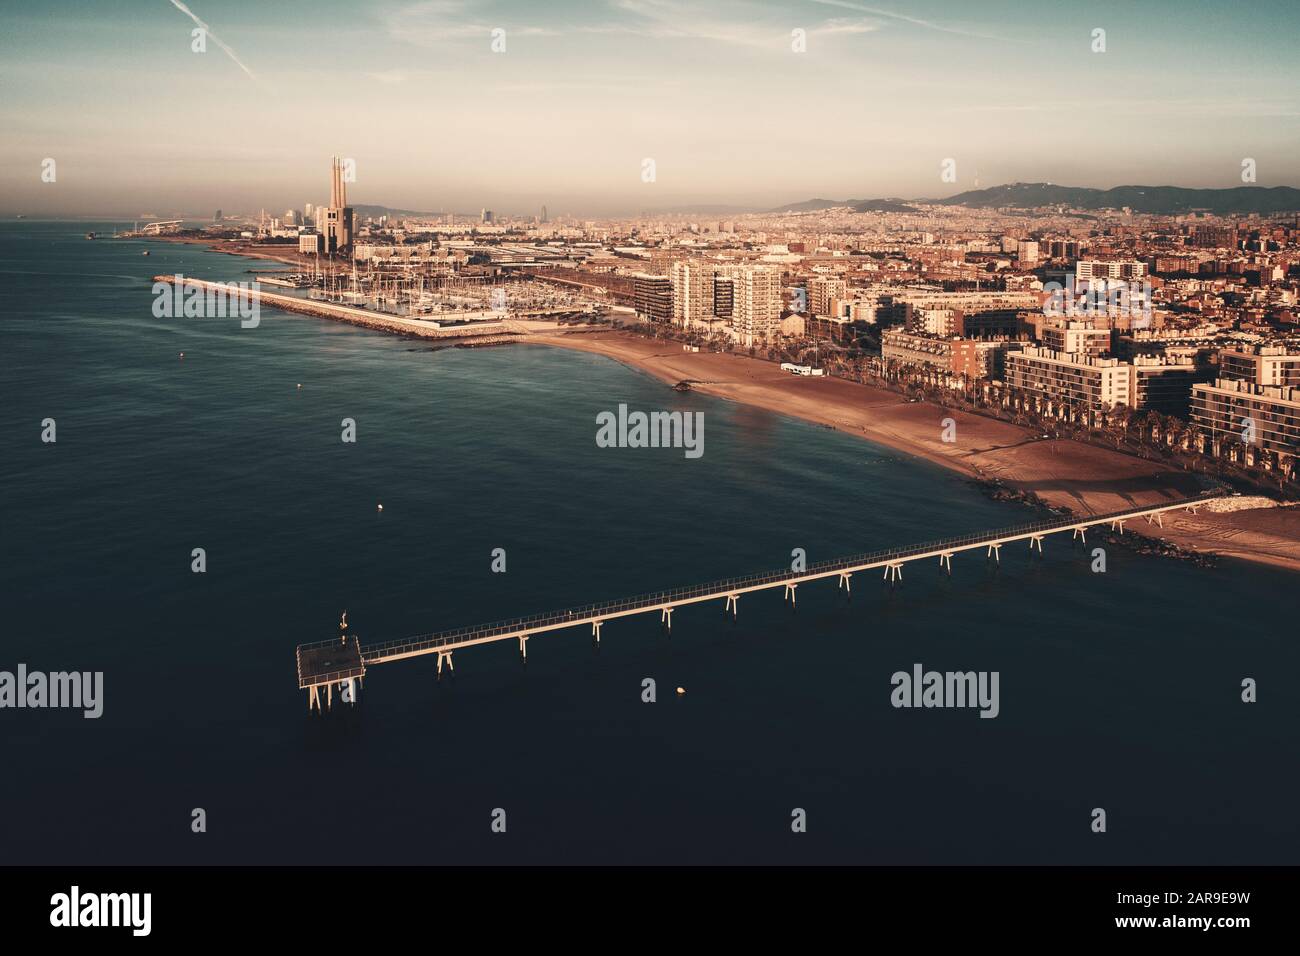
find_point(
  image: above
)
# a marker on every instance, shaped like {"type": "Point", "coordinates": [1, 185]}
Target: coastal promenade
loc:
{"type": "Point", "coordinates": [341, 664]}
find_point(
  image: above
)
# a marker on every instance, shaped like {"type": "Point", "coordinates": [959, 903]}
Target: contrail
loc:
{"type": "Point", "coordinates": [208, 30]}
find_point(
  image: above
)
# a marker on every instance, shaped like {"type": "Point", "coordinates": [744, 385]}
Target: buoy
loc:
{"type": "Point", "coordinates": [681, 691]}
{"type": "Point", "coordinates": [381, 507]}
{"type": "Point", "coordinates": [300, 384]}
{"type": "Point", "coordinates": [182, 355]}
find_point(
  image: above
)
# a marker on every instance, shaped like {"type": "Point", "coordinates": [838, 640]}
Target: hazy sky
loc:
{"type": "Point", "coordinates": [710, 89]}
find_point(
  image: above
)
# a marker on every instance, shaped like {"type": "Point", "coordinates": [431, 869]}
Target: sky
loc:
{"type": "Point", "coordinates": [715, 92]}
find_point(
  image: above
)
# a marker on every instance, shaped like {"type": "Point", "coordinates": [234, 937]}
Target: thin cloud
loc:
{"type": "Point", "coordinates": [208, 30]}
{"type": "Point", "coordinates": [927, 24]}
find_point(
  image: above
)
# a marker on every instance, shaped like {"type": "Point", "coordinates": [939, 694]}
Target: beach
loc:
{"type": "Point", "coordinates": [1087, 479]}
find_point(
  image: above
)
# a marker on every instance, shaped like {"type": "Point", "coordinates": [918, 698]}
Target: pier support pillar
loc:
{"type": "Point", "coordinates": [945, 560]}
{"type": "Point", "coordinates": [1117, 526]}
{"type": "Point", "coordinates": [595, 630]}
{"type": "Point", "coordinates": [329, 696]}
{"type": "Point", "coordinates": [893, 572]}
{"type": "Point", "coordinates": [451, 666]}
{"type": "Point", "coordinates": [1080, 534]}
{"type": "Point", "coordinates": [733, 605]}
{"type": "Point", "coordinates": [1036, 541]}
{"type": "Point", "coordinates": [1192, 509]}
{"type": "Point", "coordinates": [995, 552]}
{"type": "Point", "coordinates": [666, 618]}
{"type": "Point", "coordinates": [313, 698]}
{"type": "Point", "coordinates": [844, 582]}
{"type": "Point", "coordinates": [789, 593]}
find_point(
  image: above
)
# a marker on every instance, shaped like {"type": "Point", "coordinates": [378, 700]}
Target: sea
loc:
{"type": "Point", "coordinates": [1119, 690]}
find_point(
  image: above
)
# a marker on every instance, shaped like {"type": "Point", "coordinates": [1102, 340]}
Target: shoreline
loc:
{"type": "Point", "coordinates": [1085, 478]}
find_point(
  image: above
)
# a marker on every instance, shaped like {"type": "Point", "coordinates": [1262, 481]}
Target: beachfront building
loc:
{"type": "Point", "coordinates": [1154, 383]}
{"type": "Point", "coordinates": [652, 297]}
{"type": "Point", "coordinates": [1260, 417]}
{"type": "Point", "coordinates": [969, 358]}
{"type": "Point", "coordinates": [1078, 380]}
{"type": "Point", "coordinates": [744, 301]}
{"type": "Point", "coordinates": [1163, 383]}
{"type": "Point", "coordinates": [755, 303]}
{"type": "Point", "coordinates": [693, 294]}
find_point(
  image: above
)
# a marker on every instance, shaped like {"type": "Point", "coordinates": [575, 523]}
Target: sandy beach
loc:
{"type": "Point", "coordinates": [1085, 478]}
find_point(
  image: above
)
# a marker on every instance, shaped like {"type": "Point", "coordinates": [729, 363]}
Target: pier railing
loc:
{"type": "Point", "coordinates": [373, 653]}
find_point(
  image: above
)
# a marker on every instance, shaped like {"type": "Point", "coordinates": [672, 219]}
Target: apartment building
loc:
{"type": "Point", "coordinates": [822, 290]}
{"type": "Point", "coordinates": [1157, 383]}
{"type": "Point", "coordinates": [1075, 379]}
{"type": "Point", "coordinates": [1267, 416]}
{"type": "Point", "coordinates": [971, 357]}
{"type": "Point", "coordinates": [652, 297]}
{"type": "Point", "coordinates": [1075, 337]}
{"type": "Point", "coordinates": [1261, 365]}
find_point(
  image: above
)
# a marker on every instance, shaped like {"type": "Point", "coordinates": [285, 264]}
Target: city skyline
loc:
{"type": "Point", "coordinates": [581, 95]}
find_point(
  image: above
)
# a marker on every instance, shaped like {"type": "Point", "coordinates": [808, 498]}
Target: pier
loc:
{"type": "Point", "coordinates": [425, 327]}
{"type": "Point", "coordinates": [341, 664]}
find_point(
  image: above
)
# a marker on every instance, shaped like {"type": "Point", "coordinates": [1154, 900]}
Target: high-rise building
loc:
{"type": "Point", "coordinates": [822, 289]}
{"type": "Point", "coordinates": [755, 303]}
{"type": "Point", "coordinates": [487, 217]}
{"type": "Point", "coordinates": [335, 220]}
{"type": "Point", "coordinates": [653, 297]}
{"type": "Point", "coordinates": [692, 293]}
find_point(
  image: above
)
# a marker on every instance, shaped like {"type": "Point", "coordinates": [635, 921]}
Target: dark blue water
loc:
{"type": "Point", "coordinates": [1118, 690]}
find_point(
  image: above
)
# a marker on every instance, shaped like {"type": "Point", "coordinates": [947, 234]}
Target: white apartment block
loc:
{"type": "Point", "coordinates": [1074, 379]}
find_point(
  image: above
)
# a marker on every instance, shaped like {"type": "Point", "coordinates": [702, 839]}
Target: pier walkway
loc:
{"type": "Point", "coordinates": [340, 663]}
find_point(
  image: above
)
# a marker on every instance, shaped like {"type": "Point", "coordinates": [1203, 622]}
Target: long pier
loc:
{"type": "Point", "coordinates": [341, 664]}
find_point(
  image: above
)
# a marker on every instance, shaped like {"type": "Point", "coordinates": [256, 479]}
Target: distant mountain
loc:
{"type": "Point", "coordinates": [881, 205]}
{"type": "Point", "coordinates": [1160, 200]}
{"type": "Point", "coordinates": [361, 211]}
{"type": "Point", "coordinates": [810, 205]}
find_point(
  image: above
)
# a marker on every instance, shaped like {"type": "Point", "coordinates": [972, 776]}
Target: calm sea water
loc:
{"type": "Point", "coordinates": [1118, 690]}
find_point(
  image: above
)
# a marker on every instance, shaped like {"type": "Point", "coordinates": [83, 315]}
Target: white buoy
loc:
{"type": "Point", "coordinates": [300, 384]}
{"type": "Point", "coordinates": [182, 355]}
{"type": "Point", "coordinates": [381, 507]}
{"type": "Point", "coordinates": [681, 691]}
